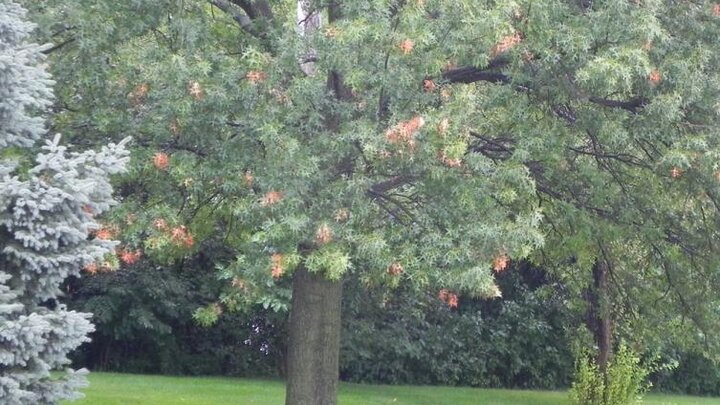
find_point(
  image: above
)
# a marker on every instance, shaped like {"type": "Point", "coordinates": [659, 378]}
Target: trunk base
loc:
{"type": "Point", "coordinates": [314, 340]}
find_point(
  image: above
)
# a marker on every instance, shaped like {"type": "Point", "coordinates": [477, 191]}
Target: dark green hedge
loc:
{"type": "Point", "coordinates": [406, 338]}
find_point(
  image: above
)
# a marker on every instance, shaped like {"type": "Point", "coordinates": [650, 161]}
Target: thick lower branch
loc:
{"type": "Point", "coordinates": [242, 19]}
{"type": "Point", "coordinates": [633, 105]}
{"type": "Point", "coordinates": [255, 9]}
{"type": "Point", "coordinates": [471, 74]}
{"type": "Point", "coordinates": [391, 183]}
{"type": "Point", "coordinates": [58, 46]}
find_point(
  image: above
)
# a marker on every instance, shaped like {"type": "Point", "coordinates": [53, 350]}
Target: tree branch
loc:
{"type": "Point", "coordinates": [246, 6]}
{"type": "Point", "coordinates": [58, 46]}
{"type": "Point", "coordinates": [391, 183]}
{"type": "Point", "coordinates": [626, 158]}
{"type": "Point", "coordinates": [632, 105]}
{"type": "Point", "coordinates": [574, 201]}
{"type": "Point", "coordinates": [243, 20]}
{"type": "Point", "coordinates": [255, 9]}
{"type": "Point", "coordinates": [471, 74]}
{"type": "Point", "coordinates": [497, 148]}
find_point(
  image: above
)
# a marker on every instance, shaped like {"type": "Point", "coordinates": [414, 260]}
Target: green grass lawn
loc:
{"type": "Point", "coordinates": [131, 389]}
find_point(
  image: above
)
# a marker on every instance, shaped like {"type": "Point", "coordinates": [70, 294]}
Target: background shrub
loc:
{"type": "Point", "coordinates": [402, 337]}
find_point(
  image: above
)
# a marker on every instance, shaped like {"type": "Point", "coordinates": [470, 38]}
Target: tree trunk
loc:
{"type": "Point", "coordinates": [314, 340]}
{"type": "Point", "coordinates": [599, 313]}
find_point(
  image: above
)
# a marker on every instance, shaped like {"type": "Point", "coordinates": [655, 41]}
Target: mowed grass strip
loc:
{"type": "Point", "coordinates": [133, 389]}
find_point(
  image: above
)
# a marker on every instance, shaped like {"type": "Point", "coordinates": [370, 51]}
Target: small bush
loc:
{"type": "Point", "coordinates": [588, 382]}
{"type": "Point", "coordinates": [625, 381]}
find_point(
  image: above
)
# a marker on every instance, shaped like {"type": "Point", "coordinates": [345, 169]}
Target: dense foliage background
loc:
{"type": "Point", "coordinates": [143, 317]}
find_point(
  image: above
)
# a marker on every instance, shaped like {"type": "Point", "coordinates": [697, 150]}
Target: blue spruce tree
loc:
{"type": "Point", "coordinates": [47, 209]}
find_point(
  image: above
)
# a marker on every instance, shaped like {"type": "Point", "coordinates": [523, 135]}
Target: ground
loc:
{"type": "Point", "coordinates": [132, 389]}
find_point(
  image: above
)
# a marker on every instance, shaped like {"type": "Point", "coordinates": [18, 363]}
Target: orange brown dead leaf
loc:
{"type": "Point", "coordinates": [323, 235]}
{"type": "Point", "coordinates": [395, 269]}
{"type": "Point", "coordinates": [271, 198]}
{"type": "Point", "coordinates": [406, 46]}
{"type": "Point", "coordinates": [505, 44]}
{"type": "Point", "coordinates": [500, 263]}
{"type": "Point", "coordinates": [161, 161]}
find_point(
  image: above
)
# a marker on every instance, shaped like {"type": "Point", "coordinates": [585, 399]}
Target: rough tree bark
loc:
{"type": "Point", "coordinates": [599, 317]}
{"type": "Point", "coordinates": [314, 342]}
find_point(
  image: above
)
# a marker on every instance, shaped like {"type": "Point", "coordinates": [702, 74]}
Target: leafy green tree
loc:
{"type": "Point", "coordinates": [46, 213]}
{"type": "Point", "coordinates": [312, 155]}
{"type": "Point", "coordinates": [613, 107]}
